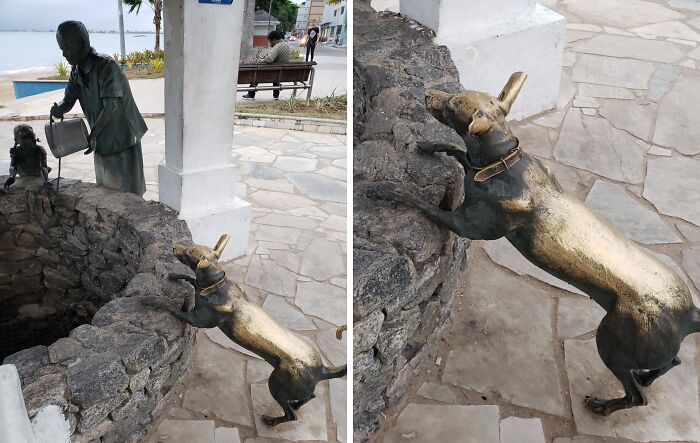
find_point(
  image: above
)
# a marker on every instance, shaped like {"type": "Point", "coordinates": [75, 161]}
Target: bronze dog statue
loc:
{"type": "Point", "coordinates": [298, 366]}
{"type": "Point", "coordinates": [509, 194]}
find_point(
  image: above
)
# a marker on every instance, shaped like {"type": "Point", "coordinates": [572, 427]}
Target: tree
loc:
{"type": "Point", "coordinates": [283, 10]}
{"type": "Point", "coordinates": [334, 2]}
{"type": "Point", "coordinates": [247, 36]}
{"type": "Point", "coordinates": [156, 6]}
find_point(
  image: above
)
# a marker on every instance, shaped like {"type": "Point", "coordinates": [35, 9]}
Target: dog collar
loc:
{"type": "Point", "coordinates": [216, 286]}
{"type": "Point", "coordinates": [504, 163]}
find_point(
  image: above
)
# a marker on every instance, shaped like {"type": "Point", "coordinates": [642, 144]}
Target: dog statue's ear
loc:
{"type": "Point", "coordinates": [203, 264]}
{"type": "Point", "coordinates": [480, 124]}
{"type": "Point", "coordinates": [511, 90]}
{"type": "Point", "coordinates": [221, 244]}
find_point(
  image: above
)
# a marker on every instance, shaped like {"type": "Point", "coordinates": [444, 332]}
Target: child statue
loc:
{"type": "Point", "coordinates": [27, 158]}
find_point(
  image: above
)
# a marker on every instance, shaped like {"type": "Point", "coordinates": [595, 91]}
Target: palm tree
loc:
{"type": "Point", "coordinates": [156, 6]}
{"type": "Point", "coordinates": [334, 2]}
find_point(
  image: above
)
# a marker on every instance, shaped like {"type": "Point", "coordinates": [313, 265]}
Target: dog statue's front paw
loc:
{"type": "Point", "coordinates": [597, 405]}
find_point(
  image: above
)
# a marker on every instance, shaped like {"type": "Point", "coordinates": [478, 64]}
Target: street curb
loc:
{"type": "Point", "coordinates": [306, 124]}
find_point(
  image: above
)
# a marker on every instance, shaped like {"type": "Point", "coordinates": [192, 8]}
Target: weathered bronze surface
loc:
{"type": "Point", "coordinates": [649, 308]}
{"type": "Point", "coordinates": [218, 302]}
{"type": "Point", "coordinates": [27, 158]}
{"type": "Point", "coordinates": [116, 126]}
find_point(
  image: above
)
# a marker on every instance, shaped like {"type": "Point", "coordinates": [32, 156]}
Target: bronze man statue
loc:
{"type": "Point", "coordinates": [102, 89]}
{"type": "Point", "coordinates": [27, 158]}
{"type": "Point", "coordinates": [509, 194]}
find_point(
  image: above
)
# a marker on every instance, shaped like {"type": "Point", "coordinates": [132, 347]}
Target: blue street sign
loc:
{"type": "Point", "coordinates": [217, 2]}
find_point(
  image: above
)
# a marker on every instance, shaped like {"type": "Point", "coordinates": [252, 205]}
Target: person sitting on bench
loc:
{"type": "Point", "coordinates": [281, 53]}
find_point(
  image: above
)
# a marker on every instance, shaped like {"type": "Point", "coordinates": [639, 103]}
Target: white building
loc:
{"type": "Point", "coordinates": [334, 23]}
{"type": "Point", "coordinates": [302, 22]}
{"type": "Point", "coordinates": [263, 25]}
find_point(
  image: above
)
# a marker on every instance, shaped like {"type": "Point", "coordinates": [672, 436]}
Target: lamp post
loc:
{"type": "Point", "coordinates": [269, 17]}
{"type": "Point", "coordinates": [121, 31]}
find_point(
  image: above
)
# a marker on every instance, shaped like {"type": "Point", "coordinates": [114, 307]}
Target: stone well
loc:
{"type": "Point", "coordinates": [406, 268]}
{"type": "Point", "coordinates": [72, 274]}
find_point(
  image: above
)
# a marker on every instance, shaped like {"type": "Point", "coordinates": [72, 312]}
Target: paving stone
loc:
{"type": "Point", "coordinates": [584, 27]}
{"type": "Point", "coordinates": [322, 260]}
{"type": "Point", "coordinates": [567, 90]}
{"type": "Point", "coordinates": [691, 233]}
{"type": "Point", "coordinates": [593, 144]}
{"type": "Point", "coordinates": [333, 349]}
{"type": "Point", "coordinates": [534, 139]}
{"type": "Point", "coordinates": [676, 124]}
{"type": "Point", "coordinates": [217, 336]}
{"type": "Point", "coordinates": [446, 423]}
{"type": "Point", "coordinates": [520, 430]}
{"type": "Point", "coordinates": [289, 316]}
{"type": "Point", "coordinates": [216, 386]}
{"type": "Point", "coordinates": [577, 316]}
{"type": "Point", "coordinates": [683, 42]}
{"type": "Point", "coordinates": [254, 154]}
{"type": "Point", "coordinates": [227, 435]}
{"type": "Point", "coordinates": [622, 72]}
{"type": "Point", "coordinates": [190, 431]}
{"type": "Point", "coordinates": [280, 200]}
{"type": "Point", "coordinates": [341, 163]}
{"type": "Point", "coordinates": [637, 119]}
{"type": "Point", "coordinates": [437, 392]}
{"type": "Point", "coordinates": [691, 264]}
{"type": "Point", "coordinates": [336, 151]}
{"type": "Point", "coordinates": [573, 35]}
{"type": "Point", "coordinates": [335, 223]}
{"type": "Point", "coordinates": [266, 274]}
{"type": "Point", "coordinates": [322, 300]}
{"type": "Point", "coordinates": [695, 53]}
{"type": "Point", "coordinates": [630, 47]}
{"type": "Point", "coordinates": [258, 370]}
{"type": "Point", "coordinates": [287, 259]}
{"type": "Point", "coordinates": [673, 399]}
{"type": "Point", "coordinates": [672, 186]}
{"type": "Point", "coordinates": [339, 407]}
{"type": "Point", "coordinates": [615, 31]}
{"type": "Point", "coordinates": [505, 254]}
{"type": "Point", "coordinates": [688, 64]}
{"type": "Point", "coordinates": [621, 13]}
{"type": "Point", "coordinates": [311, 422]}
{"type": "Point", "coordinates": [277, 234]}
{"type": "Point", "coordinates": [614, 204]}
{"type": "Point", "coordinates": [289, 221]}
{"type": "Point", "coordinates": [672, 29]}
{"type": "Point", "coordinates": [589, 111]}
{"type": "Point", "coordinates": [295, 164]}
{"type": "Point", "coordinates": [602, 91]}
{"type": "Point", "coordinates": [585, 102]}
{"type": "Point", "coordinates": [661, 152]}
{"type": "Point", "coordinates": [693, 5]}
{"type": "Point", "coordinates": [551, 119]}
{"type": "Point", "coordinates": [510, 351]}
{"type": "Point", "coordinates": [333, 172]}
{"type": "Point", "coordinates": [319, 187]}
{"type": "Point", "coordinates": [270, 185]}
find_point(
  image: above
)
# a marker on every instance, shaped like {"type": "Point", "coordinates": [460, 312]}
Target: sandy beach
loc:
{"type": "Point", "coordinates": [7, 92]}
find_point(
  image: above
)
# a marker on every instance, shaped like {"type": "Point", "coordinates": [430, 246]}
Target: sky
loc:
{"type": "Point", "coordinates": [47, 14]}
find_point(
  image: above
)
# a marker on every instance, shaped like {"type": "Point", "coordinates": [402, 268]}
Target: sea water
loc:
{"type": "Point", "coordinates": [27, 51]}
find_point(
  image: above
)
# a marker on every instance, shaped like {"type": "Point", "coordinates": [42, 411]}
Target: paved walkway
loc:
{"type": "Point", "coordinates": [331, 77]}
{"type": "Point", "coordinates": [521, 355]}
{"type": "Point", "coordinates": [295, 268]}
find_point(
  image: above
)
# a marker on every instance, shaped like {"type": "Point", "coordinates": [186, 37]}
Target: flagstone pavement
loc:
{"type": "Point", "coordinates": [295, 267]}
{"type": "Point", "coordinates": [625, 137]}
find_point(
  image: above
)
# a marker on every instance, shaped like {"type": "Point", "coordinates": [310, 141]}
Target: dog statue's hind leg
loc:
{"type": "Point", "coordinates": [647, 378]}
{"type": "Point", "coordinates": [633, 396]}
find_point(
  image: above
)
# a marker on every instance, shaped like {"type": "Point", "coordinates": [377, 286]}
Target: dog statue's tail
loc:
{"type": "Point", "coordinates": [336, 371]}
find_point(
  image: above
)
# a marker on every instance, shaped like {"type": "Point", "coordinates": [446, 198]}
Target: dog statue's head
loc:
{"type": "Point", "coordinates": [475, 113]}
{"type": "Point", "coordinates": [200, 258]}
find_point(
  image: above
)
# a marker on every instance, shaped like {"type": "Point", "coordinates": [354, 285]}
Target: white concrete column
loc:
{"type": "Point", "coordinates": [489, 40]}
{"type": "Point", "coordinates": [14, 421]}
{"type": "Point", "coordinates": [198, 178]}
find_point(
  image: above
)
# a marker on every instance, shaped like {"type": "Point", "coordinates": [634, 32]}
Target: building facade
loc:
{"type": "Point", "coordinates": [263, 25]}
{"type": "Point", "coordinates": [334, 23]}
{"type": "Point", "coordinates": [302, 21]}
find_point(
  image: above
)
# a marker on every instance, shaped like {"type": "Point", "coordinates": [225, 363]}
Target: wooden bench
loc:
{"type": "Point", "coordinates": [290, 76]}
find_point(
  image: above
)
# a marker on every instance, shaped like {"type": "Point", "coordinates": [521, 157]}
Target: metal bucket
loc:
{"type": "Point", "coordinates": [66, 137]}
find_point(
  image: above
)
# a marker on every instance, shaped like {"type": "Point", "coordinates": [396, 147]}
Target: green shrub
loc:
{"type": "Point", "coordinates": [157, 65]}
{"type": "Point", "coordinates": [61, 68]}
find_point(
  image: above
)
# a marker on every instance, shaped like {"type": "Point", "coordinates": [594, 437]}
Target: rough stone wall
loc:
{"type": "Point", "coordinates": [406, 268]}
{"type": "Point", "coordinates": [112, 376]}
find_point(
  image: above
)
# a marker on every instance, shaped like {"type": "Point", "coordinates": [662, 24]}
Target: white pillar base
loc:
{"type": "Point", "coordinates": [232, 219]}
{"type": "Point", "coordinates": [487, 49]}
{"type": "Point", "coordinates": [204, 200]}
